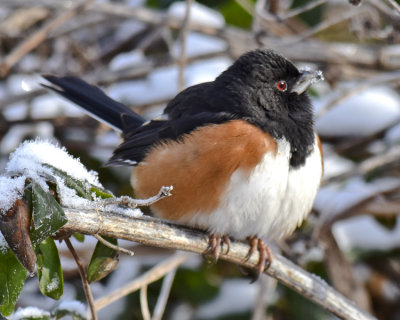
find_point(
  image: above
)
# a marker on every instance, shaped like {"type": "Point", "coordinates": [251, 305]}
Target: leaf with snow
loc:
{"type": "Point", "coordinates": [51, 282]}
{"type": "Point", "coordinates": [12, 279]}
{"type": "Point", "coordinates": [48, 216]}
{"type": "Point", "coordinates": [104, 260]}
{"type": "Point", "coordinates": [80, 186]}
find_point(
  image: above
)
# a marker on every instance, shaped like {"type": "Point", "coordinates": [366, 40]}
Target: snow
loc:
{"type": "Point", "coordinates": [31, 312]}
{"type": "Point", "coordinates": [199, 14]}
{"type": "Point", "coordinates": [11, 189]}
{"type": "Point", "coordinates": [335, 165]}
{"type": "Point", "coordinates": [365, 233]}
{"type": "Point", "coordinates": [235, 295]}
{"type": "Point", "coordinates": [73, 306]}
{"type": "Point", "coordinates": [17, 133]}
{"type": "Point", "coordinates": [334, 199]}
{"type": "Point", "coordinates": [200, 44]}
{"type": "Point", "coordinates": [364, 114]}
{"type": "Point", "coordinates": [22, 83]}
{"type": "Point", "coordinates": [16, 111]}
{"type": "Point", "coordinates": [127, 60]}
{"type": "Point", "coordinates": [53, 284]}
{"type": "Point", "coordinates": [147, 91]}
{"type": "Point", "coordinates": [392, 136]}
{"type": "Point", "coordinates": [154, 88]}
{"type": "Point", "coordinates": [50, 106]}
{"type": "Point", "coordinates": [28, 160]}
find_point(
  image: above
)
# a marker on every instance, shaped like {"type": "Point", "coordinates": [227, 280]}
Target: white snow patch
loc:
{"type": "Point", "coordinates": [364, 114]}
{"type": "Point", "coordinates": [127, 60]}
{"type": "Point", "coordinates": [53, 284]}
{"type": "Point", "coordinates": [50, 105]}
{"type": "Point", "coordinates": [29, 312]}
{"type": "Point", "coordinates": [16, 111]}
{"type": "Point", "coordinates": [334, 199]}
{"type": "Point", "coordinates": [74, 306]}
{"type": "Point", "coordinates": [29, 160]}
{"type": "Point", "coordinates": [162, 84]}
{"type": "Point", "coordinates": [199, 14]}
{"type": "Point", "coordinates": [392, 136]}
{"type": "Point", "coordinates": [32, 154]}
{"type": "Point", "coordinates": [21, 83]}
{"type": "Point", "coordinates": [207, 70]}
{"type": "Point", "coordinates": [235, 295]}
{"type": "Point", "coordinates": [18, 133]}
{"type": "Point", "coordinates": [364, 232]}
{"type": "Point", "coordinates": [334, 164]}
{"type": "Point", "coordinates": [198, 44]}
{"type": "Point", "coordinates": [11, 189]}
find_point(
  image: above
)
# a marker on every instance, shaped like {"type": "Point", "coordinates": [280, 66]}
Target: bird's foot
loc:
{"type": "Point", "coordinates": [265, 254]}
{"type": "Point", "coordinates": [215, 246]}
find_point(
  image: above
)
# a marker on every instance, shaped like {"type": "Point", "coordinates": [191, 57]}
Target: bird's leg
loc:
{"type": "Point", "coordinates": [265, 253]}
{"type": "Point", "coordinates": [215, 245]}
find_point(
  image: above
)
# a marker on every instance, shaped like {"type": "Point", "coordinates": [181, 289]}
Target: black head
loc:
{"type": "Point", "coordinates": [269, 91]}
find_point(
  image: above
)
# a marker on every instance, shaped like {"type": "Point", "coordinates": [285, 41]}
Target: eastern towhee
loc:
{"type": "Point", "coordinates": [240, 151]}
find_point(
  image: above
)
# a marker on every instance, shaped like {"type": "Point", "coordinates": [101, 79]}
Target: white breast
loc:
{"type": "Point", "coordinates": [270, 202]}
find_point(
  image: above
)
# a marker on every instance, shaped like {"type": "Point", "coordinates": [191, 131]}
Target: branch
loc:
{"type": "Point", "coordinates": [159, 233]}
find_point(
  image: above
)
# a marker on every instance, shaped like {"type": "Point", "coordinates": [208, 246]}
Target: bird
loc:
{"type": "Point", "coordinates": [241, 151]}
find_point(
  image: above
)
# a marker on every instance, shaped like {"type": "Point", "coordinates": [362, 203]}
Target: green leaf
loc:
{"type": "Point", "coordinates": [12, 279]}
{"type": "Point", "coordinates": [104, 260]}
{"type": "Point", "coordinates": [81, 187]}
{"type": "Point", "coordinates": [51, 282]}
{"type": "Point", "coordinates": [79, 237]}
{"type": "Point", "coordinates": [48, 216]}
{"type": "Point", "coordinates": [103, 194]}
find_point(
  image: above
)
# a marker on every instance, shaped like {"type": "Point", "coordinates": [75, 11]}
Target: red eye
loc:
{"type": "Point", "coordinates": [281, 85]}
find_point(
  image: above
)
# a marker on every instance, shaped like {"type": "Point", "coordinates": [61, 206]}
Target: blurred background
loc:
{"type": "Point", "coordinates": [143, 53]}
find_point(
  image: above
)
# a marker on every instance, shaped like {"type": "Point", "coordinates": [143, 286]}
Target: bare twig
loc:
{"type": "Point", "coordinates": [164, 294]}
{"type": "Point", "coordinates": [183, 38]}
{"type": "Point", "coordinates": [163, 234]}
{"type": "Point", "coordinates": [307, 7]}
{"type": "Point", "coordinates": [113, 246]}
{"type": "Point", "coordinates": [144, 305]}
{"type": "Point", "coordinates": [394, 4]}
{"type": "Point", "coordinates": [150, 276]}
{"type": "Point", "coordinates": [82, 273]}
{"type": "Point", "coordinates": [38, 37]}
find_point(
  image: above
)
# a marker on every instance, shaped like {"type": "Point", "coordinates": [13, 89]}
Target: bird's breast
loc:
{"type": "Point", "coordinates": [230, 178]}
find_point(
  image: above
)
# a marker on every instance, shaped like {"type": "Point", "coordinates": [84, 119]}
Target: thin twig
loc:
{"type": "Point", "coordinates": [144, 305]}
{"type": "Point", "coordinates": [113, 246]}
{"type": "Point", "coordinates": [159, 233]}
{"type": "Point", "coordinates": [148, 277]}
{"type": "Point", "coordinates": [246, 5]}
{"type": "Point", "coordinates": [328, 23]}
{"type": "Point", "coordinates": [183, 38]}
{"type": "Point", "coordinates": [37, 38]}
{"type": "Point", "coordinates": [307, 7]}
{"type": "Point", "coordinates": [395, 5]}
{"type": "Point", "coordinates": [164, 294]}
{"type": "Point", "coordinates": [85, 282]}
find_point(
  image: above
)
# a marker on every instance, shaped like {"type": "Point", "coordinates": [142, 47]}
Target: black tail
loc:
{"type": "Point", "coordinates": [96, 102]}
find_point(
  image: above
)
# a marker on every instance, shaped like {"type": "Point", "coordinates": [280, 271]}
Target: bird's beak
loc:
{"type": "Point", "coordinates": [306, 79]}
